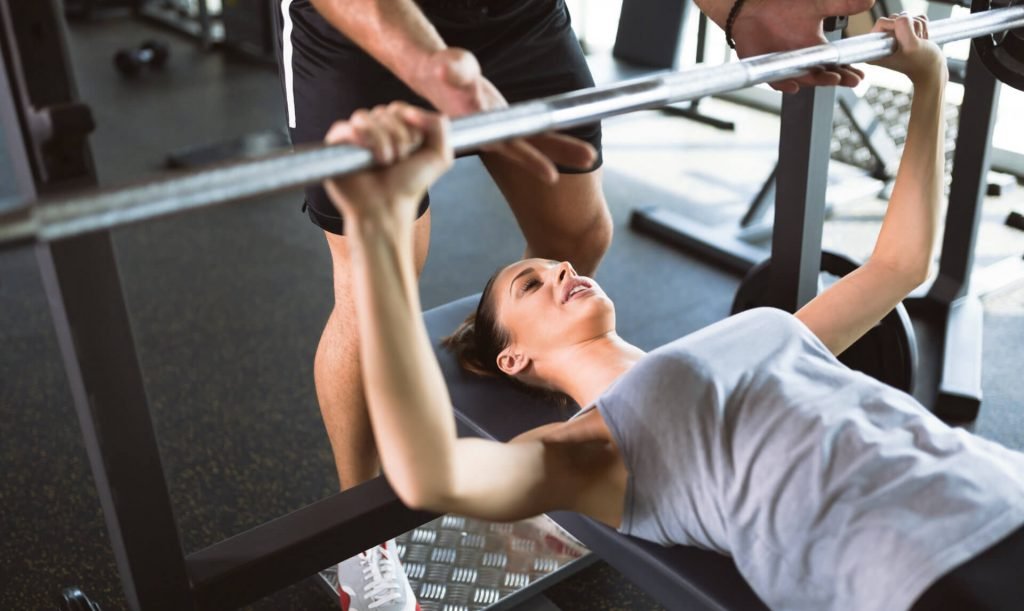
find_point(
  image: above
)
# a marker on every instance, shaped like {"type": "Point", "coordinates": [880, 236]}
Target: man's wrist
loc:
{"type": "Point", "coordinates": [422, 73]}
{"type": "Point", "coordinates": [718, 10]}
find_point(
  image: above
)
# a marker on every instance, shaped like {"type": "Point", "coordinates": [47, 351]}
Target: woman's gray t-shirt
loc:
{"type": "Point", "coordinates": [829, 489]}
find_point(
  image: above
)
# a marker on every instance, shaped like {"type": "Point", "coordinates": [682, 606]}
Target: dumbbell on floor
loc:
{"type": "Point", "coordinates": [129, 62]}
{"type": "Point", "coordinates": [76, 600]}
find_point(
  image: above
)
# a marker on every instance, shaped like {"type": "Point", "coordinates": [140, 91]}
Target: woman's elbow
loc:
{"type": "Point", "coordinates": [915, 273]}
{"type": "Point", "coordinates": [424, 494]}
{"type": "Point", "coordinates": [909, 273]}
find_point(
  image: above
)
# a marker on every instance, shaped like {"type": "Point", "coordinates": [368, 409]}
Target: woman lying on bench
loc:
{"type": "Point", "coordinates": [829, 489]}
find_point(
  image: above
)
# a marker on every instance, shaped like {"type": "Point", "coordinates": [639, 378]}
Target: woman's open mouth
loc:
{"type": "Point", "coordinates": [576, 288]}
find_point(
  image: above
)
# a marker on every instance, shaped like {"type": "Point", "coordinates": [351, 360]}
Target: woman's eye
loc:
{"type": "Point", "coordinates": [529, 284]}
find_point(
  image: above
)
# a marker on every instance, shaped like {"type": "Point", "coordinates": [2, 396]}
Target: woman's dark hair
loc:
{"type": "Point", "coordinates": [478, 341]}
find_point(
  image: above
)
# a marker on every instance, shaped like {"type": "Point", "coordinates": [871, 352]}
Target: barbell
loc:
{"type": "Point", "coordinates": [62, 217]}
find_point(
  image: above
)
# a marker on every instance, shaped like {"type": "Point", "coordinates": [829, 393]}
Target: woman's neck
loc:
{"type": "Point", "coordinates": [586, 370]}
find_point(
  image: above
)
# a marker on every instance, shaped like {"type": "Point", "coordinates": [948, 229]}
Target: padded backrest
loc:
{"type": "Point", "coordinates": [495, 408]}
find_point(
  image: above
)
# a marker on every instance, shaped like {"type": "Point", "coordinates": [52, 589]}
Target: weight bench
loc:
{"type": "Point", "coordinates": [496, 409]}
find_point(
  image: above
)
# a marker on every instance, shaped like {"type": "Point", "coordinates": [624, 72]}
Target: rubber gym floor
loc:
{"type": "Point", "coordinates": [227, 306]}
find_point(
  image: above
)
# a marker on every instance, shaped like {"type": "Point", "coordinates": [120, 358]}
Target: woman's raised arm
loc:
{"type": "Point", "coordinates": [410, 409]}
{"type": "Point", "coordinates": [903, 250]}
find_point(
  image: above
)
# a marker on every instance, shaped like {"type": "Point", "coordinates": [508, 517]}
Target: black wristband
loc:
{"type": "Point", "coordinates": [730, 21]}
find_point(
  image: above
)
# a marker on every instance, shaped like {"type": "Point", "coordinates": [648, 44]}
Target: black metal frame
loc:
{"type": "Point", "coordinates": [17, 191]}
{"type": "Point", "coordinates": [950, 302]}
{"type": "Point", "coordinates": [735, 247]}
{"type": "Point", "coordinates": [691, 110]}
{"type": "Point", "coordinates": [83, 288]}
{"type": "Point", "coordinates": [949, 305]}
{"type": "Point", "coordinates": [802, 179]}
{"type": "Point", "coordinates": [648, 36]}
{"type": "Point", "coordinates": [805, 137]}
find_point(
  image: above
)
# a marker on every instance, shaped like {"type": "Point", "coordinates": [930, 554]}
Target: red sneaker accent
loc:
{"type": "Point", "coordinates": [345, 599]}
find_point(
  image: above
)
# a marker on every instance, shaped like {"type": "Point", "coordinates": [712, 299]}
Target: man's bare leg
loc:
{"type": "Point", "coordinates": [336, 372]}
{"type": "Point", "coordinates": [567, 221]}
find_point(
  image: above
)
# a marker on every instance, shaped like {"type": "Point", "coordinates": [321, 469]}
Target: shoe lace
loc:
{"type": "Point", "coordinates": [380, 578]}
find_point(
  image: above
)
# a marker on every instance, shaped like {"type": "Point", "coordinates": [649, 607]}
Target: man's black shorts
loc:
{"type": "Point", "coordinates": [526, 48]}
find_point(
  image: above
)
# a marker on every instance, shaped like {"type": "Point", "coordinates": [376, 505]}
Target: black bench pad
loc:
{"type": "Point", "coordinates": [679, 577]}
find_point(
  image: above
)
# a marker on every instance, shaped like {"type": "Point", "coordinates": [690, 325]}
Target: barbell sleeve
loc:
{"type": "Point", "coordinates": [108, 208]}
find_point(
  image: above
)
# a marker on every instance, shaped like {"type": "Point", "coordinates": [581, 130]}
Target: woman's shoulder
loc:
{"type": "Point", "coordinates": [724, 350]}
{"type": "Point", "coordinates": [736, 333]}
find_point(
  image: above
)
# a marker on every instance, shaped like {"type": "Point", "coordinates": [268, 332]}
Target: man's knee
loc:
{"type": "Point", "coordinates": [599, 238]}
{"type": "Point", "coordinates": [583, 244]}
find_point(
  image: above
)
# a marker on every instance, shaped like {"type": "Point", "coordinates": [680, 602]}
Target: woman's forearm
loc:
{"type": "Point", "coordinates": [395, 32]}
{"type": "Point", "coordinates": [410, 409]}
{"type": "Point", "coordinates": [907, 236]}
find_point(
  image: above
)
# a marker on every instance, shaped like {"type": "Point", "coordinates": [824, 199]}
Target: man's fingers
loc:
{"type": "Point", "coordinates": [527, 157]}
{"type": "Point", "coordinates": [818, 78]}
{"type": "Point", "coordinates": [565, 150]}
{"type": "Point", "coordinates": [849, 75]}
{"type": "Point", "coordinates": [786, 86]}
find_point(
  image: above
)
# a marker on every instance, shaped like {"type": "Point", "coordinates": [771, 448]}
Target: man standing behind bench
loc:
{"type": "Point", "coordinates": [461, 57]}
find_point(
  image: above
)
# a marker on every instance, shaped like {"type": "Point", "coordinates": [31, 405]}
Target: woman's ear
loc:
{"type": "Point", "coordinates": [511, 361]}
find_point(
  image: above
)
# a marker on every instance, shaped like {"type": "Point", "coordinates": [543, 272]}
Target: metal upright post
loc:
{"type": "Point", "coordinates": [959, 394]}
{"type": "Point", "coordinates": [802, 178]}
{"type": "Point", "coordinates": [94, 332]}
{"type": "Point", "coordinates": [971, 162]}
{"type": "Point", "coordinates": [87, 305]}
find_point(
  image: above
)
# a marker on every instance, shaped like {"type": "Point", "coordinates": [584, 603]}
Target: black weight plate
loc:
{"type": "Point", "coordinates": [887, 352]}
{"type": "Point", "coordinates": [1002, 52]}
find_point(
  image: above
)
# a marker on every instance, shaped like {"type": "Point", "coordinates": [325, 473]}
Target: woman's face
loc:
{"type": "Point", "coordinates": [545, 306]}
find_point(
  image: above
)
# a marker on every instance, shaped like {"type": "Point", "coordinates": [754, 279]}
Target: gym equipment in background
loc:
{"type": "Point", "coordinates": [79, 272]}
{"type": "Point", "coordinates": [887, 352]}
{"type": "Point", "coordinates": [150, 54]}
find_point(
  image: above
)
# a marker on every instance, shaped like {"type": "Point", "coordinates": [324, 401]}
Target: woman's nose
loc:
{"type": "Point", "coordinates": [564, 269]}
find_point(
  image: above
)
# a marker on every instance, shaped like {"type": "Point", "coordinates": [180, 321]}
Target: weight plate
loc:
{"type": "Point", "coordinates": [888, 352]}
{"type": "Point", "coordinates": [1002, 52]}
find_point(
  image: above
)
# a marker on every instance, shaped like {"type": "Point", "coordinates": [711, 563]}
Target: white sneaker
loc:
{"type": "Point", "coordinates": [375, 581]}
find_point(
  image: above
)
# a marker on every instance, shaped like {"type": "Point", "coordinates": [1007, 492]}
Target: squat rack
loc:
{"type": "Point", "coordinates": [78, 266]}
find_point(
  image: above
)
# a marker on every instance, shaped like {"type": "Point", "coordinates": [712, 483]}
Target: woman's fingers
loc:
{"type": "Point", "coordinates": [341, 132]}
{"type": "Point", "coordinates": [391, 132]}
{"type": "Point", "coordinates": [403, 138]}
{"type": "Point", "coordinates": [431, 131]}
{"type": "Point", "coordinates": [371, 134]}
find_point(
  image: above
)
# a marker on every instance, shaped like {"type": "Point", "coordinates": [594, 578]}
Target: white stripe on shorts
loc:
{"type": "Point", "coordinates": [286, 60]}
